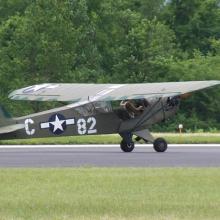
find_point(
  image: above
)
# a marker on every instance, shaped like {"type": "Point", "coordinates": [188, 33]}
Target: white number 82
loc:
{"type": "Point", "coordinates": [88, 126]}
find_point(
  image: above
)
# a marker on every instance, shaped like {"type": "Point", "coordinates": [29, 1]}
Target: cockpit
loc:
{"type": "Point", "coordinates": [132, 108]}
{"type": "Point", "coordinates": [103, 107]}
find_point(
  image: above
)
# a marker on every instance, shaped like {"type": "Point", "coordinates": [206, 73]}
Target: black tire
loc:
{"type": "Point", "coordinates": [160, 145]}
{"type": "Point", "coordinates": [127, 147]}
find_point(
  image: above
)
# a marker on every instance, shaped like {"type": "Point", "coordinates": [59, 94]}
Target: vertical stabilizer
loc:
{"type": "Point", "coordinates": [5, 117]}
{"type": "Point", "coordinates": [7, 124]}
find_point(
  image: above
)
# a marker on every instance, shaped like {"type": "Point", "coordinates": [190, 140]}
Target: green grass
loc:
{"type": "Point", "coordinates": [196, 138]}
{"type": "Point", "coordinates": [94, 193]}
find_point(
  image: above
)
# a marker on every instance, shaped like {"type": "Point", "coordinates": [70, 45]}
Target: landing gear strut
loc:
{"type": "Point", "coordinates": [159, 144]}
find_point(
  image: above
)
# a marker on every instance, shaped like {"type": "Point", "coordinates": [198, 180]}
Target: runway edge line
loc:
{"type": "Point", "coordinates": [104, 145]}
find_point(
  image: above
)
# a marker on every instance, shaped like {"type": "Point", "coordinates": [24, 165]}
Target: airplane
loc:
{"type": "Point", "coordinates": [93, 109]}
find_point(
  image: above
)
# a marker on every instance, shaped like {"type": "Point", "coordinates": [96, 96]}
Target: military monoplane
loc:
{"type": "Point", "coordinates": [93, 109]}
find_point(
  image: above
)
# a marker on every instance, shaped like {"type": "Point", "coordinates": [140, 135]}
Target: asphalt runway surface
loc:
{"type": "Point", "coordinates": [108, 156]}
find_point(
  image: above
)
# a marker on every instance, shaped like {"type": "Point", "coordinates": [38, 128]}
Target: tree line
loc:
{"type": "Point", "coordinates": [112, 41]}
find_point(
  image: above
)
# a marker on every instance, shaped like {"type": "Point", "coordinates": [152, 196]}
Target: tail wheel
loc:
{"type": "Point", "coordinates": [160, 145]}
{"type": "Point", "coordinates": [127, 147]}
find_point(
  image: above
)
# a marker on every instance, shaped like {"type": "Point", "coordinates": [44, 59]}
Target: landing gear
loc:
{"type": "Point", "coordinates": [127, 147]}
{"type": "Point", "coordinates": [160, 145]}
{"type": "Point", "coordinates": [127, 144]}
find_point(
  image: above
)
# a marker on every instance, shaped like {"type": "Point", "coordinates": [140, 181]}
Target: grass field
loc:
{"type": "Point", "coordinates": [194, 138]}
{"type": "Point", "coordinates": [93, 193]}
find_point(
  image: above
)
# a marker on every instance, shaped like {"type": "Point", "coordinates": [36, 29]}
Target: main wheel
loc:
{"type": "Point", "coordinates": [160, 145]}
{"type": "Point", "coordinates": [127, 147]}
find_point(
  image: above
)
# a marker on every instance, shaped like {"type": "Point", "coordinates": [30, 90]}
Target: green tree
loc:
{"type": "Point", "coordinates": [51, 42]}
{"type": "Point", "coordinates": [10, 8]}
{"type": "Point", "coordinates": [205, 105]}
{"type": "Point", "coordinates": [194, 22]}
{"type": "Point", "coordinates": [111, 41]}
{"type": "Point", "coordinates": [145, 46]}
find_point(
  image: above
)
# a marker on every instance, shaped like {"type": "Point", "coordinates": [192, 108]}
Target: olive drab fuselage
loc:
{"type": "Point", "coordinates": [91, 118]}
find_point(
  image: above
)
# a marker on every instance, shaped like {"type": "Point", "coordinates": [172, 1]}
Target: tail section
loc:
{"type": "Point", "coordinates": [5, 117]}
{"type": "Point", "coordinates": [7, 123]}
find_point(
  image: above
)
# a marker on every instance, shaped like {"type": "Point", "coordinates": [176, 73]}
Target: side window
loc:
{"type": "Point", "coordinates": [103, 106]}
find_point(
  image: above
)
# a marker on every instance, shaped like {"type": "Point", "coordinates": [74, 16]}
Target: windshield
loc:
{"type": "Point", "coordinates": [103, 106]}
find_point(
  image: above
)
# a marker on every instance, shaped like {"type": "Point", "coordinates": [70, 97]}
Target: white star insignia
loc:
{"type": "Point", "coordinates": [37, 88]}
{"type": "Point", "coordinates": [57, 124]}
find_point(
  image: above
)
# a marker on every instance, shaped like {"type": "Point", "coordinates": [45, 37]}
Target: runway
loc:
{"type": "Point", "coordinates": [108, 156]}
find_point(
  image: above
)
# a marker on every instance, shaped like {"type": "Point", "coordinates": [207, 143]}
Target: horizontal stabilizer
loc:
{"type": "Point", "coordinates": [11, 128]}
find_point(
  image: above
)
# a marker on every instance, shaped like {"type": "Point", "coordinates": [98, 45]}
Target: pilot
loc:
{"type": "Point", "coordinates": [133, 109]}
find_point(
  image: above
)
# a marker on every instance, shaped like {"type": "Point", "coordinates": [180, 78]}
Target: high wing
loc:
{"type": "Point", "coordinates": [107, 92]}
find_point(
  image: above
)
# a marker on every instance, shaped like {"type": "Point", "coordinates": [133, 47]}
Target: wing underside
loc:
{"type": "Point", "coordinates": [107, 92]}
